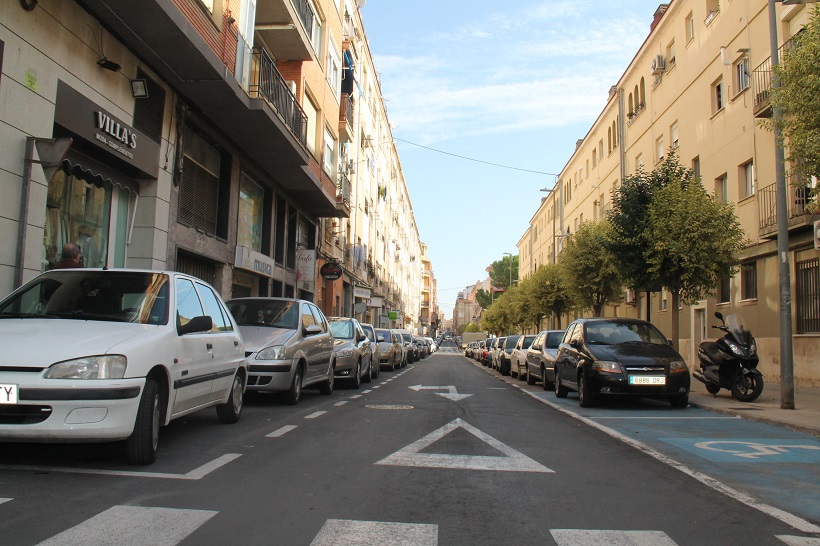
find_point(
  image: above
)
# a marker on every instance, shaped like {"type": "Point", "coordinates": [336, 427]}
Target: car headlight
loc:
{"type": "Point", "coordinates": [606, 366]}
{"type": "Point", "coordinates": [274, 352]}
{"type": "Point", "coordinates": [344, 353]}
{"type": "Point", "coordinates": [735, 348]}
{"type": "Point", "coordinates": [89, 367]}
{"type": "Point", "coordinates": [678, 366]}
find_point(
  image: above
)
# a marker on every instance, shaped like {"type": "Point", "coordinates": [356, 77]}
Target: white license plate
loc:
{"type": "Point", "coordinates": [647, 380]}
{"type": "Point", "coordinates": [8, 394]}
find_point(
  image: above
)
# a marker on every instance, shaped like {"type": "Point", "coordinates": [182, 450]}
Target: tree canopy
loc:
{"type": "Point", "coordinates": [589, 269]}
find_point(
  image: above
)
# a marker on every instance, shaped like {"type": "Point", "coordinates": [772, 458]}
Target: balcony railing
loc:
{"type": "Point", "coordinates": [268, 83]}
{"type": "Point", "coordinates": [305, 14]}
{"type": "Point", "coordinates": [344, 188]}
{"type": "Point", "coordinates": [797, 198]}
{"type": "Point", "coordinates": [762, 84]}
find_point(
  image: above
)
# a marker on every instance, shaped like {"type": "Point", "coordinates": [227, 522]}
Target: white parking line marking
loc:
{"type": "Point", "coordinates": [278, 433]}
{"type": "Point", "coordinates": [342, 403]}
{"type": "Point", "coordinates": [582, 537]}
{"type": "Point", "coordinates": [195, 474]}
{"type": "Point", "coordinates": [367, 391]}
{"type": "Point", "coordinates": [372, 533]}
{"type": "Point", "coordinates": [355, 396]}
{"type": "Point", "coordinates": [314, 415]}
{"type": "Point", "coordinates": [512, 461]}
{"type": "Point", "coordinates": [799, 541]}
{"type": "Point", "coordinates": [134, 525]}
{"type": "Point", "coordinates": [377, 387]}
{"type": "Point", "coordinates": [662, 418]}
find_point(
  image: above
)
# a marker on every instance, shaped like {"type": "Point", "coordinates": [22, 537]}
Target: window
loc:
{"type": "Point", "coordinates": [696, 166]}
{"type": "Point", "coordinates": [251, 214]}
{"type": "Point", "coordinates": [659, 149]}
{"type": "Point", "coordinates": [315, 30]}
{"type": "Point", "coordinates": [673, 131]}
{"type": "Point", "coordinates": [724, 294]}
{"type": "Point", "coordinates": [202, 198]}
{"type": "Point", "coordinates": [594, 158]}
{"type": "Point", "coordinates": [329, 153]}
{"type": "Point", "coordinates": [312, 115]}
{"type": "Point", "coordinates": [188, 304]}
{"type": "Point", "coordinates": [334, 69]}
{"type": "Point", "coordinates": [722, 189]}
{"type": "Point", "coordinates": [638, 162]}
{"type": "Point", "coordinates": [717, 96]}
{"type": "Point", "coordinates": [741, 75]}
{"type": "Point", "coordinates": [712, 11]}
{"type": "Point", "coordinates": [808, 295]}
{"type": "Point", "coordinates": [664, 300]}
{"type": "Point", "coordinates": [214, 309]}
{"type": "Point", "coordinates": [670, 55]}
{"type": "Point", "coordinates": [748, 281]}
{"type": "Point", "coordinates": [601, 148]}
{"type": "Point", "coordinates": [690, 28]}
{"type": "Point", "coordinates": [747, 177]}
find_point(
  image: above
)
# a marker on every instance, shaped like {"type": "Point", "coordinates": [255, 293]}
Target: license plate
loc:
{"type": "Point", "coordinates": [8, 394]}
{"type": "Point", "coordinates": [647, 380]}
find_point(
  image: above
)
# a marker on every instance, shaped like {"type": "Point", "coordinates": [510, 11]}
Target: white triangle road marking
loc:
{"type": "Point", "coordinates": [512, 461]}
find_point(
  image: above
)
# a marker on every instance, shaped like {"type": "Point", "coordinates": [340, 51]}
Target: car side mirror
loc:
{"type": "Point", "coordinates": [202, 323]}
{"type": "Point", "coordinates": [313, 329]}
{"type": "Point", "coordinates": [669, 341]}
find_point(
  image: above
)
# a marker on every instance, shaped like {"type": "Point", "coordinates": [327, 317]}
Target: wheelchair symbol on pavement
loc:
{"type": "Point", "coordinates": [751, 449]}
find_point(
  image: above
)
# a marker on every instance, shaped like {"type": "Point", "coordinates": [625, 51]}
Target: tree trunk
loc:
{"type": "Point", "coordinates": [648, 306]}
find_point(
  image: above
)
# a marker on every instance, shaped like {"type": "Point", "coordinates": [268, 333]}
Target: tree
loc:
{"type": "Point", "coordinates": [500, 271]}
{"type": "Point", "coordinates": [497, 318]}
{"type": "Point", "coordinates": [546, 292]}
{"type": "Point", "coordinates": [484, 298]}
{"type": "Point", "coordinates": [589, 270]}
{"type": "Point", "coordinates": [472, 327]}
{"type": "Point", "coordinates": [798, 100]}
{"type": "Point", "coordinates": [694, 240]}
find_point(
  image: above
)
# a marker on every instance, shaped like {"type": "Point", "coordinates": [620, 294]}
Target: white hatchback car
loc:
{"type": "Point", "coordinates": [94, 355]}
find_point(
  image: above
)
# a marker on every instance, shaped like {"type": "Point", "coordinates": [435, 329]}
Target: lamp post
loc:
{"type": "Point", "coordinates": [784, 263]}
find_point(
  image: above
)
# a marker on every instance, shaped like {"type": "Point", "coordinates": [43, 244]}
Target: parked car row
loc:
{"type": "Point", "coordinates": [94, 355]}
{"type": "Point", "coordinates": [594, 357]}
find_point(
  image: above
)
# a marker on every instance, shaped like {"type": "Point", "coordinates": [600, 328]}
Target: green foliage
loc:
{"type": "Point", "coordinates": [472, 327]}
{"type": "Point", "coordinates": [545, 292]}
{"type": "Point", "coordinates": [589, 269]}
{"type": "Point", "coordinates": [498, 317]}
{"type": "Point", "coordinates": [500, 271]}
{"type": "Point", "coordinates": [695, 240]}
{"type": "Point", "coordinates": [798, 99]}
{"type": "Point", "coordinates": [484, 298]}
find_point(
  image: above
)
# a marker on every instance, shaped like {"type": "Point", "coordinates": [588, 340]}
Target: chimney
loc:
{"type": "Point", "coordinates": [658, 15]}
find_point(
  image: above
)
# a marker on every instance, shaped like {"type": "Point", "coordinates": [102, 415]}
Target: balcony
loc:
{"type": "Point", "coordinates": [286, 26]}
{"type": "Point", "coordinates": [269, 84]}
{"type": "Point", "coordinates": [800, 216]}
{"type": "Point", "coordinates": [346, 118]}
{"type": "Point", "coordinates": [762, 84]}
{"type": "Point", "coordinates": [343, 192]}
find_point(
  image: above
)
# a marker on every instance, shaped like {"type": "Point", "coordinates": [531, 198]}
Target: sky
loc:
{"type": "Point", "coordinates": [509, 86]}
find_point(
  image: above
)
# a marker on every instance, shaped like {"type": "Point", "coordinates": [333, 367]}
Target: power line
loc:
{"type": "Point", "coordinates": [473, 159]}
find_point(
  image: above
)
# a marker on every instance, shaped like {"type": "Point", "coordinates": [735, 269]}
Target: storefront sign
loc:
{"type": "Point", "coordinates": [99, 127]}
{"type": "Point", "coordinates": [362, 292]}
{"type": "Point", "coordinates": [393, 315]}
{"type": "Point", "coordinates": [331, 271]}
{"type": "Point", "coordinates": [254, 261]}
{"type": "Point", "coordinates": [306, 269]}
{"type": "Point", "coordinates": [375, 302]}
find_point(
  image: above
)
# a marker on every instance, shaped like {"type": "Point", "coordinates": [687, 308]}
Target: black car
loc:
{"type": "Point", "coordinates": [619, 357]}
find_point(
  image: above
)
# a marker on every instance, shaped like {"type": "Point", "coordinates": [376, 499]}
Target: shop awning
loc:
{"type": "Point", "coordinates": [94, 172]}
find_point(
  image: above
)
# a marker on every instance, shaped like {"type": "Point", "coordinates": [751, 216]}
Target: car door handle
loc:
{"type": "Point", "coordinates": [209, 346]}
{"type": "Point", "coordinates": [235, 343]}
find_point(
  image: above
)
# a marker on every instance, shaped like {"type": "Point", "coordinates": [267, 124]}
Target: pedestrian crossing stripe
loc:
{"type": "Point", "coordinates": [512, 461]}
{"type": "Point", "coordinates": [583, 537]}
{"type": "Point", "coordinates": [340, 531]}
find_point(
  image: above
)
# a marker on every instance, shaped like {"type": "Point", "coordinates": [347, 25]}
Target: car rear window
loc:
{"type": "Point", "coordinates": [264, 312]}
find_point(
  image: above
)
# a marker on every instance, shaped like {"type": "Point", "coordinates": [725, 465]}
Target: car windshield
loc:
{"type": "Point", "coordinates": [266, 312]}
{"type": "Point", "coordinates": [527, 342]}
{"type": "Point", "coordinates": [369, 333]}
{"type": "Point", "coordinates": [109, 296]}
{"type": "Point", "coordinates": [385, 334]}
{"type": "Point", "coordinates": [342, 329]}
{"type": "Point", "coordinates": [614, 333]}
{"type": "Point", "coordinates": [407, 338]}
{"type": "Point", "coordinates": [554, 339]}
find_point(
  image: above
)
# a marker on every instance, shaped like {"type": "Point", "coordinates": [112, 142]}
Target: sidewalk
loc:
{"type": "Point", "coordinates": [804, 418]}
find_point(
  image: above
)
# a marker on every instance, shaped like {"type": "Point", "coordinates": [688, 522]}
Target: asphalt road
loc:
{"type": "Point", "coordinates": [441, 452]}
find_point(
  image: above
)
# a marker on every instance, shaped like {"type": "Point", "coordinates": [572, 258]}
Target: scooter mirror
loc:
{"type": "Point", "coordinates": [719, 315]}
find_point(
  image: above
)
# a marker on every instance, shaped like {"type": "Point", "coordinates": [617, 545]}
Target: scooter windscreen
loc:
{"type": "Point", "coordinates": [735, 325]}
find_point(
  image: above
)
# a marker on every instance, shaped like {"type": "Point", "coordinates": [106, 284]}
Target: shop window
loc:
{"type": "Point", "coordinates": [279, 236]}
{"type": "Point", "coordinates": [251, 220]}
{"type": "Point", "coordinates": [149, 111]}
{"type": "Point", "coordinates": [76, 212]}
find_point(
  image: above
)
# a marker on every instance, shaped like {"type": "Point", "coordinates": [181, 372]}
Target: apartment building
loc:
{"type": "Point", "coordinates": [213, 137]}
{"type": "Point", "coordinates": [699, 86]}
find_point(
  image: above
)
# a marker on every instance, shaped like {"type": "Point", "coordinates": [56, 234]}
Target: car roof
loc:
{"type": "Point", "coordinates": [266, 298]}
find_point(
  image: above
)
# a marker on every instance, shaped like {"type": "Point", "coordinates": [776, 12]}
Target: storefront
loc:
{"type": "Point", "coordinates": [92, 198]}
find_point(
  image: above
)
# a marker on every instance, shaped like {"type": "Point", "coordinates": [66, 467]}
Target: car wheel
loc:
{"type": "Point", "coordinates": [356, 380]}
{"type": "Point", "coordinates": [141, 446]}
{"type": "Point", "coordinates": [295, 391]}
{"type": "Point", "coordinates": [231, 411]}
{"type": "Point", "coordinates": [326, 387]}
{"type": "Point", "coordinates": [522, 376]}
{"type": "Point", "coordinates": [377, 370]}
{"type": "Point", "coordinates": [368, 376]}
{"type": "Point", "coordinates": [530, 378]}
{"type": "Point", "coordinates": [680, 401]}
{"type": "Point", "coordinates": [585, 398]}
{"type": "Point", "coordinates": [560, 390]}
{"type": "Point", "coordinates": [547, 384]}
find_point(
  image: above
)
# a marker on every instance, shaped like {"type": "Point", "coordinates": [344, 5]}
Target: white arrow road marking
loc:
{"type": "Point", "coordinates": [582, 537]}
{"type": "Point", "coordinates": [133, 525]}
{"type": "Point", "coordinates": [799, 541]}
{"type": "Point", "coordinates": [4, 500]}
{"type": "Point", "coordinates": [513, 461]}
{"type": "Point", "coordinates": [366, 533]}
{"type": "Point", "coordinates": [452, 393]}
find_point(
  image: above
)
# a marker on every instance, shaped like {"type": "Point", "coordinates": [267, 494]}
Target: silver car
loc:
{"type": "Point", "coordinates": [391, 349]}
{"type": "Point", "coordinates": [288, 345]}
{"type": "Point", "coordinates": [352, 353]}
{"type": "Point", "coordinates": [375, 350]}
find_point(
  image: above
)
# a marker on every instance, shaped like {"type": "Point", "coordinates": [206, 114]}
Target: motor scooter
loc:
{"type": "Point", "coordinates": [731, 361]}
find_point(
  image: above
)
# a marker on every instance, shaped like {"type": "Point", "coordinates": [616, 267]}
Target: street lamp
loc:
{"type": "Point", "coordinates": [786, 350]}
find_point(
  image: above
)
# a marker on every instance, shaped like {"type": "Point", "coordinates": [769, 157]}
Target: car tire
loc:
{"type": "Point", "coordinates": [680, 401]}
{"type": "Point", "coordinates": [548, 386]}
{"type": "Point", "coordinates": [231, 411]}
{"type": "Point", "coordinates": [530, 378]}
{"type": "Point", "coordinates": [356, 380]}
{"type": "Point", "coordinates": [369, 375]}
{"type": "Point", "coordinates": [295, 391]}
{"type": "Point", "coordinates": [560, 390]}
{"type": "Point", "coordinates": [326, 387]}
{"type": "Point", "coordinates": [585, 398]}
{"type": "Point", "coordinates": [377, 370]}
{"type": "Point", "coordinates": [522, 376]}
{"type": "Point", "coordinates": [141, 446]}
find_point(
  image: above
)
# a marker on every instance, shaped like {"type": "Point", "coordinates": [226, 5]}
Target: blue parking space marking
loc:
{"type": "Point", "coordinates": [751, 450]}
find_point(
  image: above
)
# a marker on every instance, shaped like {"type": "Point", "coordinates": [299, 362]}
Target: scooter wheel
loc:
{"type": "Point", "coordinates": [747, 388]}
{"type": "Point", "coordinates": [712, 389]}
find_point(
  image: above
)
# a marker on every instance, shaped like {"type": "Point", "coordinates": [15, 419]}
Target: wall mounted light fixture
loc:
{"type": "Point", "coordinates": [139, 88]}
{"type": "Point", "coordinates": [108, 64]}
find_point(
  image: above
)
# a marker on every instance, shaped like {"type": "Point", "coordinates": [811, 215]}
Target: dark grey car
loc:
{"type": "Point", "coordinates": [288, 345]}
{"type": "Point", "coordinates": [352, 353]}
{"type": "Point", "coordinates": [541, 358]}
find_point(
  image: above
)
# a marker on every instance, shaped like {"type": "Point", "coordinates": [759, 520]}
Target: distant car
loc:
{"type": "Point", "coordinates": [288, 345]}
{"type": "Point", "coordinates": [518, 358]}
{"type": "Point", "coordinates": [98, 355]}
{"type": "Point", "coordinates": [489, 346]}
{"type": "Point", "coordinates": [424, 349]}
{"type": "Point", "coordinates": [541, 358]}
{"type": "Point", "coordinates": [375, 357]}
{"type": "Point", "coordinates": [497, 347]}
{"type": "Point", "coordinates": [505, 355]}
{"type": "Point", "coordinates": [619, 357]}
{"type": "Point", "coordinates": [391, 352]}
{"type": "Point", "coordinates": [432, 344]}
{"type": "Point", "coordinates": [411, 351]}
{"type": "Point", "coordinates": [351, 351]}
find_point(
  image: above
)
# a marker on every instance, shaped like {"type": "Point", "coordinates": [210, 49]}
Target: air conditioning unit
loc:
{"type": "Point", "coordinates": [291, 85]}
{"type": "Point", "coordinates": [658, 64]}
{"type": "Point", "coordinates": [630, 296]}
